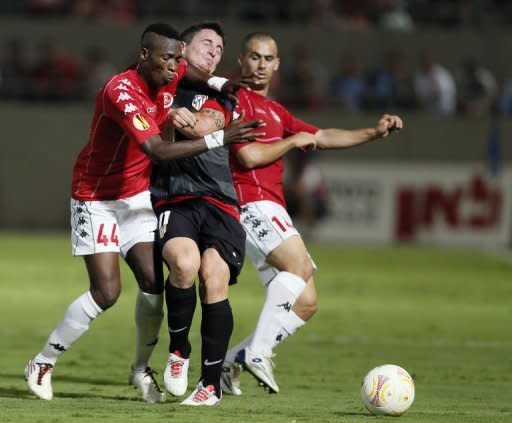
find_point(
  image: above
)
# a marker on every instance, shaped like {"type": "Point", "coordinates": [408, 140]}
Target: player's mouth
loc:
{"type": "Point", "coordinates": [169, 77]}
{"type": "Point", "coordinates": [260, 75]}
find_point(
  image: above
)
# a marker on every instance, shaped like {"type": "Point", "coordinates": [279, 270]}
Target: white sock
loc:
{"type": "Point", "coordinates": [73, 325]}
{"type": "Point", "coordinates": [290, 322]}
{"type": "Point", "coordinates": [231, 354]}
{"type": "Point", "coordinates": [148, 319]}
{"type": "Point", "coordinates": [282, 292]}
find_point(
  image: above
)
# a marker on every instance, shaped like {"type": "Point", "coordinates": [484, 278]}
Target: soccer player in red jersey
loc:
{"type": "Point", "coordinates": [273, 244]}
{"type": "Point", "coordinates": [111, 210]}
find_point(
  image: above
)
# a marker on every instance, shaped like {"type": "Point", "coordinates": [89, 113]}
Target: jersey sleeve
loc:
{"type": "Point", "coordinates": [292, 125]}
{"type": "Point", "coordinates": [122, 106]}
{"type": "Point", "coordinates": [222, 106]}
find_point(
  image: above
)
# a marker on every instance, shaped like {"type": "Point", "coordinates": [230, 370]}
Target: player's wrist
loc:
{"type": "Point", "coordinates": [216, 83]}
{"type": "Point", "coordinates": [374, 134]}
{"type": "Point", "coordinates": [214, 140]}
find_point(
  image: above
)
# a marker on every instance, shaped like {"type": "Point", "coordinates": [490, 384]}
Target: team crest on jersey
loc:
{"type": "Point", "coordinates": [140, 122]}
{"type": "Point", "coordinates": [168, 99]}
{"type": "Point", "coordinates": [198, 101]}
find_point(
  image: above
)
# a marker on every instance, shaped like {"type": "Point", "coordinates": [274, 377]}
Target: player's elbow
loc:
{"type": "Point", "coordinates": [248, 161]}
{"type": "Point", "coordinates": [152, 149]}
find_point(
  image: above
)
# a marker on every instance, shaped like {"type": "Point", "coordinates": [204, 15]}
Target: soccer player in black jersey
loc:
{"type": "Point", "coordinates": [198, 225]}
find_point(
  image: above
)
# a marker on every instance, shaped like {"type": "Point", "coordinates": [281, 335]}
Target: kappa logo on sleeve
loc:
{"type": "Point", "coordinates": [130, 108]}
{"type": "Point", "coordinates": [140, 122]}
{"type": "Point", "coordinates": [198, 101]}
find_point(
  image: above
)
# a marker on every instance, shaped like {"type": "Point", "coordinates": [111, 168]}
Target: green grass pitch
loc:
{"type": "Point", "coordinates": [444, 315]}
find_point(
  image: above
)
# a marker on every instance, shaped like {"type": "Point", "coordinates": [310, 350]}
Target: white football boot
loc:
{"type": "Point", "coordinates": [39, 379]}
{"type": "Point", "coordinates": [230, 378]}
{"type": "Point", "coordinates": [260, 366]}
{"type": "Point", "coordinates": [202, 395]}
{"type": "Point", "coordinates": [176, 375]}
{"type": "Point", "coordinates": [145, 381]}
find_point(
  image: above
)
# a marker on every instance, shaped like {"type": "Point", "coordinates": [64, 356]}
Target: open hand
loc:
{"type": "Point", "coordinates": [240, 131]}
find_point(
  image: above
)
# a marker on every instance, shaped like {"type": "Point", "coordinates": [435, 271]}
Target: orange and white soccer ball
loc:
{"type": "Point", "coordinates": [387, 390]}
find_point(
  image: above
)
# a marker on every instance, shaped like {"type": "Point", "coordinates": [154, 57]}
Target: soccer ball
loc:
{"type": "Point", "coordinates": [387, 390]}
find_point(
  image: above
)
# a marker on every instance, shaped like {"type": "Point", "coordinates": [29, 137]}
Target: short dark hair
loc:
{"type": "Point", "coordinates": [255, 35]}
{"type": "Point", "coordinates": [160, 29]}
{"type": "Point", "coordinates": [191, 31]}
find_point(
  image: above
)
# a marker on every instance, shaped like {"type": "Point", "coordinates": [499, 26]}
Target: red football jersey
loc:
{"type": "Point", "coordinates": [112, 165]}
{"type": "Point", "coordinates": [266, 182]}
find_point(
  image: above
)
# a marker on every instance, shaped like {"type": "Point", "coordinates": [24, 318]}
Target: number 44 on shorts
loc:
{"type": "Point", "coordinates": [104, 239]}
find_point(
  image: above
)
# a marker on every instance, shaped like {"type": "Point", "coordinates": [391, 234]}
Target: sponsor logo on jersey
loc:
{"type": "Point", "coordinates": [168, 99]}
{"type": "Point", "coordinates": [198, 101]}
{"type": "Point", "coordinates": [151, 109]}
{"type": "Point", "coordinates": [140, 122]}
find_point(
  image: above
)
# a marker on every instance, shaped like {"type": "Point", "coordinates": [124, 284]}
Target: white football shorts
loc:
{"type": "Point", "coordinates": [111, 226]}
{"type": "Point", "coordinates": [267, 225]}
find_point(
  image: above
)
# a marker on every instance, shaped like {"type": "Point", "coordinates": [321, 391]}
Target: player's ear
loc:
{"type": "Point", "coordinates": [240, 59]}
{"type": "Point", "coordinates": [183, 47]}
{"type": "Point", "coordinates": [276, 64]}
{"type": "Point", "coordinates": [144, 53]}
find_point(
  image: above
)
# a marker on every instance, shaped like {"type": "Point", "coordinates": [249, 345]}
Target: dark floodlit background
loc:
{"type": "Point", "coordinates": [444, 66]}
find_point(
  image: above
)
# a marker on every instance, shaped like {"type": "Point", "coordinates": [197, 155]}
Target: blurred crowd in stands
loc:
{"type": "Point", "coordinates": [396, 14]}
{"type": "Point", "coordinates": [419, 82]}
{"type": "Point", "coordinates": [399, 84]}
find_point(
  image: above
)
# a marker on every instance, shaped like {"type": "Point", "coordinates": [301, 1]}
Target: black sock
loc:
{"type": "Point", "coordinates": [181, 304]}
{"type": "Point", "coordinates": [216, 329]}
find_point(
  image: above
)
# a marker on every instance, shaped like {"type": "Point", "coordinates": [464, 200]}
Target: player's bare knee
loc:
{"type": "Point", "coordinates": [183, 270]}
{"type": "Point", "coordinates": [149, 282]}
{"type": "Point", "coordinates": [107, 296]}
{"type": "Point", "coordinates": [213, 278]}
{"type": "Point", "coordinates": [303, 268]}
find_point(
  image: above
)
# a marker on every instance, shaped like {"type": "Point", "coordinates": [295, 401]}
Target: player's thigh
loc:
{"type": "Point", "coordinates": [178, 234]}
{"type": "Point", "coordinates": [137, 221]}
{"type": "Point", "coordinates": [223, 232]}
{"type": "Point", "coordinates": [94, 227]}
{"type": "Point", "coordinates": [145, 262]}
{"type": "Point", "coordinates": [104, 278]}
{"type": "Point", "coordinates": [292, 256]}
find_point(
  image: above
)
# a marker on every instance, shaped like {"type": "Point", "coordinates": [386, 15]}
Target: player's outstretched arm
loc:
{"type": "Point", "coordinates": [197, 77]}
{"type": "Point", "coordinates": [258, 154]}
{"type": "Point", "coordinates": [237, 131]}
{"type": "Point", "coordinates": [342, 138]}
